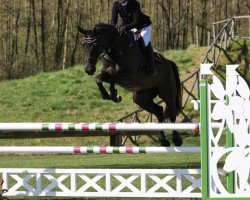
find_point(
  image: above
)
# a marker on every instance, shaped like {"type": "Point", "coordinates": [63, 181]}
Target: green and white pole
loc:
{"type": "Point", "coordinates": [95, 150]}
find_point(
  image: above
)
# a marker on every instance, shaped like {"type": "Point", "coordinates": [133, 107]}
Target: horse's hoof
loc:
{"type": "Point", "coordinates": [177, 139]}
{"type": "Point", "coordinates": [106, 97]}
{"type": "Point", "coordinates": [118, 99]}
{"type": "Point", "coordinates": [165, 143]}
{"type": "Point", "coordinates": [196, 131]}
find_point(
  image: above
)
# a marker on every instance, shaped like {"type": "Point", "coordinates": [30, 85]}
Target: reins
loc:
{"type": "Point", "coordinates": [116, 42]}
{"type": "Point", "coordinates": [90, 40]}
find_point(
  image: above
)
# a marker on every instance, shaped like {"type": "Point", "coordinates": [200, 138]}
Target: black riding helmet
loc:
{"type": "Point", "coordinates": [122, 1]}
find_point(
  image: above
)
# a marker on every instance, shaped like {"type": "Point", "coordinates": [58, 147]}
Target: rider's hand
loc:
{"type": "Point", "coordinates": [122, 29]}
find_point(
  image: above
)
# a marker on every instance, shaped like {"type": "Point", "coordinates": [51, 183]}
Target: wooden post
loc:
{"type": "Point", "coordinates": [214, 35]}
{"type": "Point", "coordinates": [197, 35]}
{"type": "Point", "coordinates": [233, 25]}
{"type": "Point", "coordinates": [208, 38]}
{"type": "Point", "coordinates": [65, 45]}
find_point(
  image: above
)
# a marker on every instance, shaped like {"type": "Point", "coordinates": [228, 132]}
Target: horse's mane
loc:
{"type": "Point", "coordinates": [106, 26]}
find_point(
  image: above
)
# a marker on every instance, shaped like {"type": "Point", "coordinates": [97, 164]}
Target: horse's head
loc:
{"type": "Point", "coordinates": [95, 41]}
{"type": "Point", "coordinates": [91, 44]}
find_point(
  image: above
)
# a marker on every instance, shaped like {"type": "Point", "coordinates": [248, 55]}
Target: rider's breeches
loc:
{"type": "Point", "coordinates": [146, 34]}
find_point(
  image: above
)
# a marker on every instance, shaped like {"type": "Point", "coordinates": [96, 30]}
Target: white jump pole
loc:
{"type": "Point", "coordinates": [95, 150]}
{"type": "Point", "coordinates": [100, 127]}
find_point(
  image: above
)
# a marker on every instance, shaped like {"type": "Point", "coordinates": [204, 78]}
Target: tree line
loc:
{"type": "Point", "coordinates": [39, 35]}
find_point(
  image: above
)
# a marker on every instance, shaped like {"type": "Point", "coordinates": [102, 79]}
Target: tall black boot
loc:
{"type": "Point", "coordinates": [151, 71]}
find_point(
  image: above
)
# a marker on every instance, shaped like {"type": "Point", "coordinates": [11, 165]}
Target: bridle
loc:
{"type": "Point", "coordinates": [90, 40]}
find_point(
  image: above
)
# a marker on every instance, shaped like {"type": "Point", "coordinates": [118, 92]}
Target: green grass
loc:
{"type": "Point", "coordinates": [187, 59]}
{"type": "Point", "coordinates": [238, 53]}
{"type": "Point", "coordinates": [182, 160]}
{"type": "Point", "coordinates": [68, 95]}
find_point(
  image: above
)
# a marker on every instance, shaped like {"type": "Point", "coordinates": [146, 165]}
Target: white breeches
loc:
{"type": "Point", "coordinates": [145, 33]}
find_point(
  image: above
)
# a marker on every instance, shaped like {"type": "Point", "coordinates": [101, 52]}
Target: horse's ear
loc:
{"type": "Point", "coordinates": [81, 30]}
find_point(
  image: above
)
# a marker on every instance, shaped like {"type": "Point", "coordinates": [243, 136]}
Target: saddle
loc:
{"type": "Point", "coordinates": [137, 41]}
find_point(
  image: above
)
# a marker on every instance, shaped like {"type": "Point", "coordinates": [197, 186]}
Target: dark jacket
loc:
{"type": "Point", "coordinates": [132, 16]}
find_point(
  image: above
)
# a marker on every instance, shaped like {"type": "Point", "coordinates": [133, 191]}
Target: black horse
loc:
{"type": "Point", "coordinates": [123, 66]}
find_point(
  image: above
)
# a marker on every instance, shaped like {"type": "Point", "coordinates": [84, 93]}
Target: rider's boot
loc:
{"type": "Point", "coordinates": [151, 71]}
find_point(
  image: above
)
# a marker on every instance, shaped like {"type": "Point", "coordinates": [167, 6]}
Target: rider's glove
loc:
{"type": "Point", "coordinates": [122, 29]}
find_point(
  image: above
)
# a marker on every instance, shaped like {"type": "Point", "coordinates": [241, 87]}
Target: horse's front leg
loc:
{"type": "Point", "coordinates": [105, 77]}
{"type": "Point", "coordinates": [113, 93]}
{"type": "Point", "coordinates": [99, 80]}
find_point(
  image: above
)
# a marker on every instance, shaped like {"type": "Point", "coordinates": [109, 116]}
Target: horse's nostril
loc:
{"type": "Point", "coordinates": [90, 71]}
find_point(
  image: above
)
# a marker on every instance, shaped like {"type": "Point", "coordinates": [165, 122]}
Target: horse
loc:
{"type": "Point", "coordinates": [123, 66]}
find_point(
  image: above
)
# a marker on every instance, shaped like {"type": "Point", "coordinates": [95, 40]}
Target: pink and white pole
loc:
{"type": "Point", "coordinates": [94, 150]}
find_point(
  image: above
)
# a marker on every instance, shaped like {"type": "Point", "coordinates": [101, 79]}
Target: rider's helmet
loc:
{"type": "Point", "coordinates": [122, 1]}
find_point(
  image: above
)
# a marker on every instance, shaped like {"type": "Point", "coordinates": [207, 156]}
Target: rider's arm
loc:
{"type": "Point", "coordinates": [115, 12]}
{"type": "Point", "coordinates": [136, 16]}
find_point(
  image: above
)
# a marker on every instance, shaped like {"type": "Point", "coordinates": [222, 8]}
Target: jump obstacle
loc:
{"type": "Point", "coordinates": [231, 119]}
{"type": "Point", "coordinates": [109, 127]}
{"type": "Point", "coordinates": [97, 150]}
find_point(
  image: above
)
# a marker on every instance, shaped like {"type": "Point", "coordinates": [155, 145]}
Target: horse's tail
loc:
{"type": "Point", "coordinates": [178, 86]}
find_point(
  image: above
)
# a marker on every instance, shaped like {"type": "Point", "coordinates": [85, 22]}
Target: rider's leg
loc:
{"type": "Point", "coordinates": [146, 34]}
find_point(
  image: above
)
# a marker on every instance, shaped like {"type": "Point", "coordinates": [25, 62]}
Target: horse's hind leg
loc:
{"type": "Point", "coordinates": [169, 97]}
{"type": "Point", "coordinates": [144, 99]}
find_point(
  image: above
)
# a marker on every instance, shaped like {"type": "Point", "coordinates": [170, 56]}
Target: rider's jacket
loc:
{"type": "Point", "coordinates": [131, 14]}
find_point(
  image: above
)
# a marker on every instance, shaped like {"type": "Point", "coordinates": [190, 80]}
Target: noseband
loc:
{"type": "Point", "coordinates": [90, 40]}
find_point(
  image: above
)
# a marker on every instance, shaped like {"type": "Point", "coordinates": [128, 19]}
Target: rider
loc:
{"type": "Point", "coordinates": [132, 17]}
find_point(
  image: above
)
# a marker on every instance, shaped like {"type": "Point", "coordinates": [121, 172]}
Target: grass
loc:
{"type": "Point", "coordinates": [187, 59]}
{"type": "Point", "coordinates": [68, 95]}
{"type": "Point", "coordinates": [238, 53]}
{"type": "Point", "coordinates": [150, 161]}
